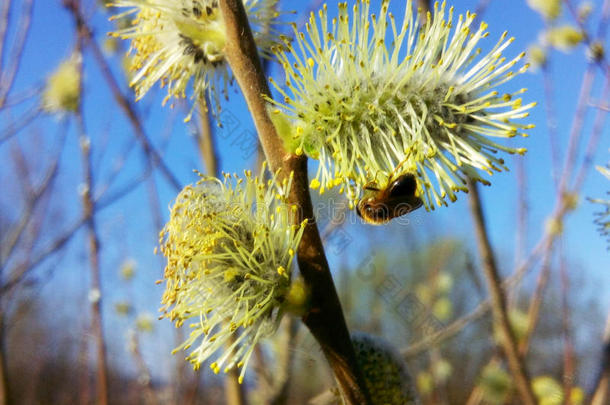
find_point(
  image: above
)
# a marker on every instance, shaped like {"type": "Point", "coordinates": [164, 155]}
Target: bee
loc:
{"type": "Point", "coordinates": [379, 206]}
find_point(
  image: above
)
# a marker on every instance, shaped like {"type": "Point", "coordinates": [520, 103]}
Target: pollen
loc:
{"type": "Point", "coordinates": [382, 99]}
{"type": "Point", "coordinates": [180, 45]}
{"type": "Point", "coordinates": [229, 247]}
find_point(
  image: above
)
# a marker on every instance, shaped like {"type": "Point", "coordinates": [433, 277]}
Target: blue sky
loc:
{"type": "Point", "coordinates": [51, 40]}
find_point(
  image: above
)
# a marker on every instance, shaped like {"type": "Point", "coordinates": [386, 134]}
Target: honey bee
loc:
{"type": "Point", "coordinates": [379, 206]}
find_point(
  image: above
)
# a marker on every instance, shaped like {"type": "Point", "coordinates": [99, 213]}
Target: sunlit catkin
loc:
{"type": "Point", "coordinates": [229, 248]}
{"type": "Point", "coordinates": [374, 99]}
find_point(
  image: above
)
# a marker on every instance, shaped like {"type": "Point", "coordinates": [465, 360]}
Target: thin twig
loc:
{"type": "Point", "coordinates": [32, 200]}
{"type": "Point", "coordinates": [596, 133]}
{"type": "Point", "coordinates": [8, 74]}
{"type": "Point", "coordinates": [551, 122]}
{"type": "Point", "coordinates": [4, 17]}
{"type": "Point", "coordinates": [280, 396]}
{"type": "Point", "coordinates": [205, 140]}
{"type": "Point", "coordinates": [481, 309]}
{"type": "Point", "coordinates": [234, 391]}
{"type": "Point", "coordinates": [566, 326]}
{"type": "Point", "coordinates": [325, 317]}
{"type": "Point", "coordinates": [576, 130]}
{"type": "Point", "coordinates": [498, 300]}
{"type": "Point", "coordinates": [122, 100]}
{"type": "Point", "coordinates": [588, 39]}
{"type": "Point", "coordinates": [144, 377]}
{"type": "Point", "coordinates": [522, 220]}
{"type": "Point", "coordinates": [423, 5]}
{"type": "Point", "coordinates": [533, 312]}
{"type": "Point", "coordinates": [97, 326]}
{"type": "Point", "coordinates": [93, 239]}
{"type": "Point", "coordinates": [23, 121]}
{"type": "Point", "coordinates": [601, 388]}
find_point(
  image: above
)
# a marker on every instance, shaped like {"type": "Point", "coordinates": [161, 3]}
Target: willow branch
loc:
{"type": "Point", "coordinates": [423, 5]}
{"type": "Point", "coordinates": [205, 140]}
{"type": "Point", "coordinates": [325, 317]}
{"type": "Point", "coordinates": [601, 390]}
{"type": "Point", "coordinates": [9, 73]}
{"type": "Point", "coordinates": [88, 204]}
{"type": "Point", "coordinates": [4, 17]}
{"type": "Point", "coordinates": [149, 150]}
{"type": "Point", "coordinates": [498, 300]}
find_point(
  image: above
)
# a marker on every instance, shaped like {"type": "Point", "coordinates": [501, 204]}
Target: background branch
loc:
{"type": "Point", "coordinates": [498, 300]}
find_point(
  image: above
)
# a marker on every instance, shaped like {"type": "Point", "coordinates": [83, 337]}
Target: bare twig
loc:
{"type": "Point", "coordinates": [596, 133]}
{"type": "Point", "coordinates": [122, 100]}
{"type": "Point", "coordinates": [576, 130]}
{"type": "Point", "coordinates": [33, 198]}
{"type": "Point", "coordinates": [93, 239]}
{"type": "Point", "coordinates": [4, 17]}
{"type": "Point", "coordinates": [144, 377]}
{"type": "Point", "coordinates": [9, 73]}
{"type": "Point", "coordinates": [23, 121]}
{"type": "Point", "coordinates": [551, 123]}
{"type": "Point", "coordinates": [481, 309]}
{"type": "Point", "coordinates": [533, 312]}
{"type": "Point", "coordinates": [423, 5]}
{"type": "Point", "coordinates": [97, 326]}
{"type": "Point", "coordinates": [234, 391]}
{"type": "Point", "coordinates": [601, 390]}
{"type": "Point", "coordinates": [588, 38]}
{"type": "Point", "coordinates": [5, 393]}
{"type": "Point", "coordinates": [205, 140]}
{"type": "Point", "coordinates": [278, 376]}
{"type": "Point", "coordinates": [568, 345]}
{"type": "Point", "coordinates": [498, 300]}
{"type": "Point", "coordinates": [325, 318]}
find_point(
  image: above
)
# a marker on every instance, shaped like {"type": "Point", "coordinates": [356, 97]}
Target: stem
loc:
{"type": "Point", "coordinates": [325, 317]}
{"type": "Point", "coordinates": [4, 380]}
{"type": "Point", "coordinates": [423, 5]}
{"type": "Point", "coordinates": [138, 129]}
{"type": "Point", "coordinates": [234, 391]}
{"type": "Point", "coordinates": [498, 300]}
{"type": "Point", "coordinates": [93, 240]}
{"type": "Point", "coordinates": [97, 328]}
{"type": "Point", "coordinates": [602, 383]}
{"type": "Point", "coordinates": [205, 140]}
{"type": "Point", "coordinates": [566, 323]}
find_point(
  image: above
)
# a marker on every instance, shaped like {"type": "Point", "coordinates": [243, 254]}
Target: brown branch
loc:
{"type": "Point", "coordinates": [533, 312]}
{"type": "Point", "coordinates": [97, 326]}
{"type": "Point", "coordinates": [94, 248]}
{"type": "Point", "coordinates": [480, 310]}
{"type": "Point", "coordinates": [498, 300]}
{"type": "Point", "coordinates": [596, 133]}
{"type": "Point", "coordinates": [4, 17]}
{"type": "Point", "coordinates": [601, 390]}
{"type": "Point", "coordinates": [234, 391]}
{"type": "Point", "coordinates": [23, 269]}
{"type": "Point", "coordinates": [33, 198]}
{"type": "Point", "coordinates": [588, 38]}
{"type": "Point", "coordinates": [5, 392]}
{"type": "Point", "coordinates": [205, 140]}
{"type": "Point", "coordinates": [20, 123]}
{"type": "Point", "coordinates": [8, 75]}
{"type": "Point", "coordinates": [551, 121]}
{"type": "Point", "coordinates": [576, 129]}
{"type": "Point", "coordinates": [123, 102]}
{"type": "Point", "coordinates": [423, 5]}
{"type": "Point", "coordinates": [325, 318]}
{"type": "Point", "coordinates": [568, 344]}
{"type": "Point", "coordinates": [144, 377]}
